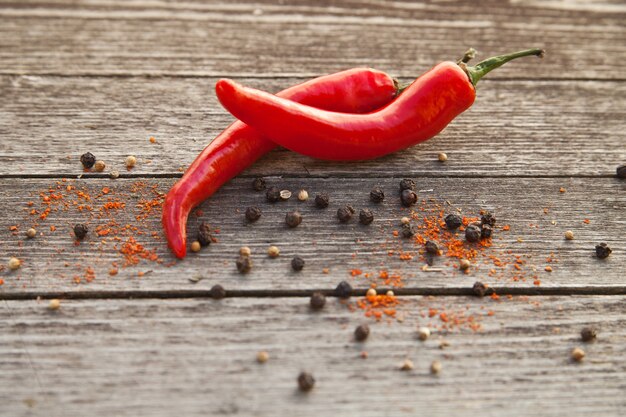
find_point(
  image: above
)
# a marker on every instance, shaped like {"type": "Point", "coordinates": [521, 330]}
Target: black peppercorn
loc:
{"type": "Point", "coordinates": [361, 332]}
{"type": "Point", "coordinates": [408, 198]}
{"type": "Point", "coordinates": [366, 216]}
{"type": "Point", "coordinates": [343, 290]}
{"type": "Point", "coordinates": [244, 264]}
{"type": "Point", "coordinates": [603, 251]}
{"type": "Point", "coordinates": [453, 221]}
{"type": "Point", "coordinates": [318, 301]}
{"type": "Point", "coordinates": [253, 214]}
{"type": "Point", "coordinates": [80, 231]}
{"type": "Point", "coordinates": [297, 263]}
{"type": "Point", "coordinates": [479, 289]}
{"type": "Point", "coordinates": [88, 160]}
{"type": "Point", "coordinates": [621, 172]}
{"type": "Point", "coordinates": [407, 184]}
{"type": "Point", "coordinates": [218, 292]}
{"type": "Point", "coordinates": [258, 184]}
{"type": "Point", "coordinates": [293, 219]}
{"type": "Point", "coordinates": [204, 234]}
{"type": "Point", "coordinates": [321, 200]}
{"type": "Point", "coordinates": [407, 230]}
{"type": "Point", "coordinates": [344, 214]}
{"type": "Point", "coordinates": [488, 218]}
{"type": "Point", "coordinates": [377, 195]}
{"type": "Point", "coordinates": [472, 233]}
{"type": "Point", "coordinates": [306, 381]}
{"type": "Point", "coordinates": [272, 194]}
{"type": "Point", "coordinates": [587, 334]}
{"type": "Point", "coordinates": [486, 231]}
{"type": "Point", "coordinates": [432, 248]}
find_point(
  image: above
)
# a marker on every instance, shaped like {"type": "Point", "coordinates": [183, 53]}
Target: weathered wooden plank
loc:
{"type": "Point", "coordinates": [514, 128]}
{"type": "Point", "coordinates": [584, 40]}
{"type": "Point", "coordinates": [197, 357]}
{"type": "Point", "coordinates": [537, 213]}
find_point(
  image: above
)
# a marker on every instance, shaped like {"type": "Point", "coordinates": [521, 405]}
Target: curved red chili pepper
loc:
{"type": "Point", "coordinates": [357, 90]}
{"type": "Point", "coordinates": [421, 111]}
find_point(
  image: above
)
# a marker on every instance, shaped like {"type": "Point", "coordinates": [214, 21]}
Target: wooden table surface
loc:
{"type": "Point", "coordinates": [143, 336]}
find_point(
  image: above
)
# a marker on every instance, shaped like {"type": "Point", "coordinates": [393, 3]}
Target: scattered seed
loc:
{"type": "Point", "coordinates": [204, 234]}
{"type": "Point", "coordinates": [14, 264]}
{"type": "Point", "coordinates": [377, 195]}
{"type": "Point", "coordinates": [364, 354]}
{"type": "Point", "coordinates": [253, 214]}
{"type": "Point", "coordinates": [405, 220]}
{"type": "Point", "coordinates": [472, 233]}
{"type": "Point", "coordinates": [131, 161]}
{"type": "Point", "coordinates": [407, 365]}
{"type": "Point", "coordinates": [453, 221]}
{"type": "Point", "coordinates": [31, 233]}
{"type": "Point", "coordinates": [423, 333]}
{"type": "Point", "coordinates": [195, 279]}
{"type": "Point", "coordinates": [370, 293]}
{"type": "Point", "coordinates": [293, 219]}
{"type": "Point", "coordinates": [99, 166]}
{"type": "Point", "coordinates": [80, 231]}
{"type": "Point", "coordinates": [578, 354]}
{"type": "Point", "coordinates": [306, 381]}
{"type": "Point", "coordinates": [621, 172]}
{"type": "Point", "coordinates": [245, 251]}
{"type": "Point", "coordinates": [548, 268]}
{"type": "Point", "coordinates": [258, 184]}
{"type": "Point", "coordinates": [408, 198]}
{"type": "Point", "coordinates": [432, 248]}
{"type": "Point", "coordinates": [218, 292]}
{"type": "Point", "coordinates": [435, 367]}
{"type": "Point", "coordinates": [562, 190]}
{"type": "Point", "coordinates": [588, 334]}
{"type": "Point", "coordinates": [569, 235]}
{"type": "Point", "coordinates": [303, 195]}
{"type": "Point", "coordinates": [297, 263]}
{"type": "Point", "coordinates": [464, 264]}
{"type": "Point", "coordinates": [366, 216]}
{"type": "Point", "coordinates": [88, 160]}
{"type": "Point", "coordinates": [343, 290]}
{"type": "Point", "coordinates": [486, 231]}
{"type": "Point", "coordinates": [54, 304]}
{"type": "Point", "coordinates": [273, 252]}
{"type": "Point", "coordinates": [442, 157]}
{"type": "Point", "coordinates": [407, 230]}
{"type": "Point", "coordinates": [479, 289]}
{"type": "Point", "coordinates": [195, 246]}
{"type": "Point", "coordinates": [262, 356]}
{"type": "Point", "coordinates": [443, 344]}
{"type": "Point", "coordinates": [488, 218]}
{"type": "Point", "coordinates": [114, 174]}
{"type": "Point", "coordinates": [361, 332]}
{"type": "Point", "coordinates": [285, 195]}
{"type": "Point", "coordinates": [344, 214]}
{"type": "Point", "coordinates": [407, 184]}
{"type": "Point", "coordinates": [272, 194]}
{"type": "Point", "coordinates": [244, 264]}
{"type": "Point", "coordinates": [603, 251]}
{"type": "Point", "coordinates": [318, 300]}
{"type": "Point", "coordinates": [322, 200]}
{"type": "Point", "coordinates": [390, 294]}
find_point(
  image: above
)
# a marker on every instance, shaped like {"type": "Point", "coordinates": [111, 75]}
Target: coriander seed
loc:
{"type": "Point", "coordinates": [272, 194]}
{"type": "Point", "coordinates": [603, 251]}
{"type": "Point", "coordinates": [464, 264]}
{"type": "Point", "coordinates": [303, 195]}
{"type": "Point", "coordinates": [343, 290]}
{"type": "Point", "coordinates": [195, 246]}
{"type": "Point", "coordinates": [479, 289]}
{"type": "Point", "coordinates": [80, 231]}
{"type": "Point", "coordinates": [390, 294]}
{"type": "Point", "coordinates": [405, 220]}
{"type": "Point", "coordinates": [578, 354]}
{"type": "Point", "coordinates": [31, 233]}
{"type": "Point", "coordinates": [472, 233]}
{"type": "Point", "coordinates": [305, 381]}
{"type": "Point", "coordinates": [377, 195]}
{"type": "Point", "coordinates": [370, 293]}
{"type": "Point", "coordinates": [130, 162]}
{"type": "Point", "coordinates": [293, 219]}
{"type": "Point", "coordinates": [318, 301]}
{"type": "Point", "coordinates": [285, 195]}
{"type": "Point", "coordinates": [344, 214]}
{"type": "Point", "coordinates": [407, 184]}
{"type": "Point", "coordinates": [114, 175]}
{"type": "Point", "coordinates": [204, 234]}
{"type": "Point", "coordinates": [14, 264]}
{"type": "Point", "coordinates": [258, 184]}
{"type": "Point", "coordinates": [245, 251]}
{"type": "Point", "coordinates": [99, 166]}
{"type": "Point", "coordinates": [407, 365]}
{"type": "Point", "coordinates": [569, 235]}
{"type": "Point", "coordinates": [423, 333]}
{"type": "Point", "coordinates": [217, 291]}
{"type": "Point", "coordinates": [88, 160]}
{"type": "Point", "coordinates": [408, 198]}
{"type": "Point", "coordinates": [432, 248]}
{"type": "Point", "coordinates": [54, 304]}
{"type": "Point", "coordinates": [442, 157]}
{"type": "Point", "coordinates": [244, 264]}
{"type": "Point", "coordinates": [361, 332]}
{"type": "Point", "coordinates": [253, 214]}
{"type": "Point", "coordinates": [588, 334]}
{"type": "Point", "coordinates": [322, 200]}
{"type": "Point", "coordinates": [453, 221]}
{"type": "Point", "coordinates": [262, 356]}
{"type": "Point", "coordinates": [297, 263]}
{"type": "Point", "coordinates": [273, 252]}
{"type": "Point", "coordinates": [366, 216]}
{"type": "Point", "coordinates": [435, 367]}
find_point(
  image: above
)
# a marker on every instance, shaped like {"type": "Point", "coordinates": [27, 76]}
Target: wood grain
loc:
{"type": "Point", "coordinates": [583, 40]}
{"type": "Point", "coordinates": [537, 213]}
{"type": "Point", "coordinates": [516, 128]}
{"type": "Point", "coordinates": [197, 357]}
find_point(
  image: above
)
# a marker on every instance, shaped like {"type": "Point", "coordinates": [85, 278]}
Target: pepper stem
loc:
{"type": "Point", "coordinates": [479, 70]}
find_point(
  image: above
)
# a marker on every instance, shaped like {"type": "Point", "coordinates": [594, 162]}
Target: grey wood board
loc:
{"type": "Point", "coordinates": [197, 357]}
{"type": "Point", "coordinates": [515, 128]}
{"type": "Point", "coordinates": [250, 38]}
{"type": "Point", "coordinates": [537, 212]}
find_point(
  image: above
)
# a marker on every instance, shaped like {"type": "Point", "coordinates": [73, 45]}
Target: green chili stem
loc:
{"type": "Point", "coordinates": [479, 70]}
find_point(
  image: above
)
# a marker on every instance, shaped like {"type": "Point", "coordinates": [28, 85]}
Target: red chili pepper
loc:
{"type": "Point", "coordinates": [357, 90]}
{"type": "Point", "coordinates": [421, 111]}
